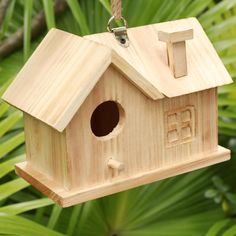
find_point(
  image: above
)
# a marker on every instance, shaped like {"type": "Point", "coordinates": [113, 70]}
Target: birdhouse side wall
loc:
{"type": "Point", "coordinates": [150, 135]}
{"type": "Point", "coordinates": [190, 125]}
{"type": "Point", "coordinates": [46, 150]}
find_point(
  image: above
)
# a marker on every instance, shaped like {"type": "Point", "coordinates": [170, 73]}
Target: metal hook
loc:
{"type": "Point", "coordinates": [119, 32]}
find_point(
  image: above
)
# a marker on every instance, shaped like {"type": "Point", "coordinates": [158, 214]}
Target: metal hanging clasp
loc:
{"type": "Point", "coordinates": [120, 33]}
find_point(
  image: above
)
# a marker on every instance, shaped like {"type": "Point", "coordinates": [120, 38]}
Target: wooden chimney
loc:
{"type": "Point", "coordinates": [176, 50]}
{"type": "Point", "coordinates": [100, 118]}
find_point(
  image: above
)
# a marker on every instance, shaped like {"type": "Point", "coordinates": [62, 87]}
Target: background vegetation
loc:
{"type": "Point", "coordinates": [199, 203]}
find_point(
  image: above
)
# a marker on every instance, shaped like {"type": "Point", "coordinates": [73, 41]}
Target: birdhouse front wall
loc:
{"type": "Point", "coordinates": [148, 134]}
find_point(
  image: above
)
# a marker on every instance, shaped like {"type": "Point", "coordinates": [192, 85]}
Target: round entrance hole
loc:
{"type": "Point", "coordinates": [107, 119]}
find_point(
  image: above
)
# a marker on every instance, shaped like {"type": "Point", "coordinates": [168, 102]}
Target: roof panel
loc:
{"type": "Point", "coordinates": [64, 69]}
{"type": "Point", "coordinates": [149, 57]}
{"type": "Point", "coordinates": [58, 77]}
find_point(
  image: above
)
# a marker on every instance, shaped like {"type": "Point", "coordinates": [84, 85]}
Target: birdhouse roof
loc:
{"type": "Point", "coordinates": [64, 69]}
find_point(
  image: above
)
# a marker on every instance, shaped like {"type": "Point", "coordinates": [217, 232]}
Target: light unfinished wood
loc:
{"type": "Point", "coordinates": [139, 141]}
{"type": "Point", "coordinates": [156, 136]}
{"type": "Point", "coordinates": [177, 59]}
{"type": "Point", "coordinates": [116, 165]}
{"type": "Point", "coordinates": [64, 69]}
{"type": "Point", "coordinates": [60, 75]}
{"type": "Point", "coordinates": [175, 37]}
{"type": "Point", "coordinates": [176, 50]}
{"type": "Point", "coordinates": [75, 196]}
{"type": "Point", "coordinates": [46, 150]}
{"type": "Point", "coordinates": [180, 125]}
{"type": "Point", "coordinates": [148, 56]}
{"type": "Point", "coordinates": [57, 78]}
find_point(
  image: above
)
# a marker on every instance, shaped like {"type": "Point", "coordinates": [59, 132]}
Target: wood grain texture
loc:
{"type": "Point", "coordinates": [157, 136]}
{"type": "Point", "coordinates": [58, 77]}
{"type": "Point", "coordinates": [141, 141]}
{"type": "Point", "coordinates": [46, 150]}
{"type": "Point", "coordinates": [64, 69]}
{"type": "Point", "coordinates": [75, 196]}
{"type": "Point", "coordinates": [148, 56]}
{"type": "Point", "coordinates": [116, 165]}
{"type": "Point", "coordinates": [177, 59]}
{"type": "Point", "coordinates": [170, 36]}
{"type": "Point", "coordinates": [176, 50]}
{"type": "Point", "coordinates": [77, 159]}
{"type": "Point", "coordinates": [180, 125]}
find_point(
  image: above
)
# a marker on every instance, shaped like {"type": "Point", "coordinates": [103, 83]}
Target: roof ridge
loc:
{"type": "Point", "coordinates": [131, 73]}
{"type": "Point", "coordinates": [135, 77]}
{"type": "Point", "coordinates": [64, 69]}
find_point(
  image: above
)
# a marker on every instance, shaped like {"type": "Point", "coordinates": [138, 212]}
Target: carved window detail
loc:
{"type": "Point", "coordinates": [180, 126]}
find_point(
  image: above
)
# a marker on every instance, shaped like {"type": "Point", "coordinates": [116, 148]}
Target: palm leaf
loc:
{"type": "Point", "coordinates": [23, 227]}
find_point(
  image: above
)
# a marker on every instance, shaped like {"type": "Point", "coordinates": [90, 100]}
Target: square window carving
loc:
{"type": "Point", "coordinates": [173, 136]}
{"type": "Point", "coordinates": [186, 132]}
{"type": "Point", "coordinates": [172, 119]}
{"type": "Point", "coordinates": [186, 116]}
{"type": "Point", "coordinates": [180, 126]}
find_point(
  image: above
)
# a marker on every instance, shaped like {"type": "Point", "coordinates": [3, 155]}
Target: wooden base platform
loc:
{"type": "Point", "coordinates": [67, 198]}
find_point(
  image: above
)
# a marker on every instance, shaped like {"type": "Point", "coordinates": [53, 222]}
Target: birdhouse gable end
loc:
{"type": "Point", "coordinates": [61, 73]}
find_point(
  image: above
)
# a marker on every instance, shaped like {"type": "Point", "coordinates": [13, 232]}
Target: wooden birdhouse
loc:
{"type": "Point", "coordinates": [101, 118]}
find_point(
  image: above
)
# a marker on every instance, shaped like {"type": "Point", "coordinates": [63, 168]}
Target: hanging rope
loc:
{"type": "Point", "coordinates": [116, 8]}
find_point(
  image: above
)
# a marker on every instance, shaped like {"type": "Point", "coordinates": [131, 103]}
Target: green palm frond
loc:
{"type": "Point", "coordinates": [15, 225]}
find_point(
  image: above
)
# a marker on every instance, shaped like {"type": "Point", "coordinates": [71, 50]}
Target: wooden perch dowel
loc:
{"type": "Point", "coordinates": [116, 165]}
{"type": "Point", "coordinates": [100, 119]}
{"type": "Point", "coordinates": [176, 50]}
